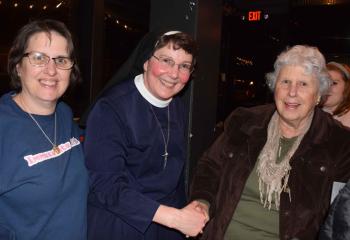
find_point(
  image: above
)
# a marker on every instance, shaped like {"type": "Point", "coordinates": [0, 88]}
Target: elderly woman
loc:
{"type": "Point", "coordinates": [270, 173]}
{"type": "Point", "coordinates": [337, 100]}
{"type": "Point", "coordinates": [43, 180]}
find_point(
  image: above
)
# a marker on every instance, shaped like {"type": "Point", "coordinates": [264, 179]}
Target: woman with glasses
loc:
{"type": "Point", "coordinates": [135, 146]}
{"type": "Point", "coordinates": [43, 180]}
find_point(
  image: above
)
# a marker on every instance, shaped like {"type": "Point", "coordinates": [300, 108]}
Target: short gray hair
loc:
{"type": "Point", "coordinates": [308, 57]}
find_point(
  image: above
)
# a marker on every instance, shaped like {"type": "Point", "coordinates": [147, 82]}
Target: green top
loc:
{"type": "Point", "coordinates": [251, 220]}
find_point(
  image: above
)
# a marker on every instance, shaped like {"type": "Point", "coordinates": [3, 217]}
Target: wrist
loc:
{"type": "Point", "coordinates": [174, 218]}
{"type": "Point", "coordinates": [167, 216]}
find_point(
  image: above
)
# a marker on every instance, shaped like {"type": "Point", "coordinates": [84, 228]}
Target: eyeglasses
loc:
{"type": "Point", "coordinates": [39, 59]}
{"type": "Point", "coordinates": [168, 63]}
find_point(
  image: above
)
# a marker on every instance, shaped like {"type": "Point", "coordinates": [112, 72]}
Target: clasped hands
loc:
{"type": "Point", "coordinates": [195, 216]}
{"type": "Point", "coordinates": [189, 220]}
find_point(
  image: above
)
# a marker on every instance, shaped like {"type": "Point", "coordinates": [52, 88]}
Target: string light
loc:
{"type": "Point", "coordinates": [115, 19]}
{"type": "Point", "coordinates": [58, 5]}
{"type": "Point", "coordinates": [242, 61]}
{"type": "Point", "coordinates": [31, 5]}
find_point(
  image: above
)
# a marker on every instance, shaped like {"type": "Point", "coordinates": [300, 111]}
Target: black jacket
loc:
{"type": "Point", "coordinates": [337, 225]}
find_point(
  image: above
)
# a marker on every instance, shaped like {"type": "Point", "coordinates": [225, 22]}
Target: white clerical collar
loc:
{"type": "Point", "coordinates": [140, 85]}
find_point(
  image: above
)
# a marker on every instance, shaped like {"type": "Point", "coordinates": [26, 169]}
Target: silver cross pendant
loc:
{"type": "Point", "coordinates": [165, 155]}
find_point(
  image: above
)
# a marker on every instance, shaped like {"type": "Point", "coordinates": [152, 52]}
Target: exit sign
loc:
{"type": "Point", "coordinates": [255, 16]}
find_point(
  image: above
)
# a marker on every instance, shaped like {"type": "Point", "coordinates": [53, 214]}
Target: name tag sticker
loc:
{"type": "Point", "coordinates": [337, 186]}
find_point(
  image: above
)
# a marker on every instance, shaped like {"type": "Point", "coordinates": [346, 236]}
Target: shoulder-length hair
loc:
{"type": "Point", "coordinates": [20, 45]}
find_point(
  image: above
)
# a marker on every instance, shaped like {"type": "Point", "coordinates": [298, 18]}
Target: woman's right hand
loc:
{"type": "Point", "coordinates": [188, 220]}
{"type": "Point", "coordinates": [191, 219]}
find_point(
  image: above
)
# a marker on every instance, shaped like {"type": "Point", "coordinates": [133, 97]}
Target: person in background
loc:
{"type": "Point", "coordinates": [269, 174]}
{"type": "Point", "coordinates": [136, 146]}
{"type": "Point", "coordinates": [337, 103]}
{"type": "Point", "coordinates": [43, 179]}
{"type": "Point", "coordinates": [337, 100]}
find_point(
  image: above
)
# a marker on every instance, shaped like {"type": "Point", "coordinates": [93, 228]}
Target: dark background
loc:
{"type": "Point", "coordinates": [248, 48]}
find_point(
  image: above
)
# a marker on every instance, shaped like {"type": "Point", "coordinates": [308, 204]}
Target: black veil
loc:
{"type": "Point", "coordinates": [132, 67]}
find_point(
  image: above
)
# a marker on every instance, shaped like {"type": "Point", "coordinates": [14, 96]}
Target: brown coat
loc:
{"type": "Point", "coordinates": [322, 158]}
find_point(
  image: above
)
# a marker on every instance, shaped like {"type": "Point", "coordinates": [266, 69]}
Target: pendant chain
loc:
{"type": "Point", "coordinates": [166, 141]}
{"type": "Point", "coordinates": [54, 145]}
{"type": "Point", "coordinates": [55, 148]}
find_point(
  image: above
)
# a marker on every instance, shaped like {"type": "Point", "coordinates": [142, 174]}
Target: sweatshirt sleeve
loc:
{"type": "Point", "coordinates": [106, 154]}
{"type": "Point", "coordinates": [6, 233]}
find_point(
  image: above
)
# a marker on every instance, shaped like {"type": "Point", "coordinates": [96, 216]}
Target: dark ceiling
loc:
{"type": "Point", "coordinates": [133, 11]}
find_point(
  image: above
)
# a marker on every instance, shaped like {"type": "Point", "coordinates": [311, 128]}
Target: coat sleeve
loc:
{"type": "Point", "coordinates": [106, 153]}
{"type": "Point", "coordinates": [207, 177]}
{"type": "Point", "coordinates": [337, 224]}
{"type": "Point", "coordinates": [342, 167]}
{"type": "Point", "coordinates": [208, 173]}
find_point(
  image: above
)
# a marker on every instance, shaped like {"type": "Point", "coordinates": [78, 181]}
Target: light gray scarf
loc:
{"type": "Point", "coordinates": [273, 177]}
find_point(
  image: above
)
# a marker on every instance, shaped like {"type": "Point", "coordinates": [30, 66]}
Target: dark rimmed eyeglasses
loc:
{"type": "Point", "coordinates": [168, 63]}
{"type": "Point", "coordinates": [39, 59]}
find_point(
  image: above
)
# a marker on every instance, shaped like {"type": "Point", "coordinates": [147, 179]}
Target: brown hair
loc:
{"type": "Point", "coordinates": [344, 70]}
{"type": "Point", "coordinates": [20, 45]}
{"type": "Point", "coordinates": [179, 40]}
